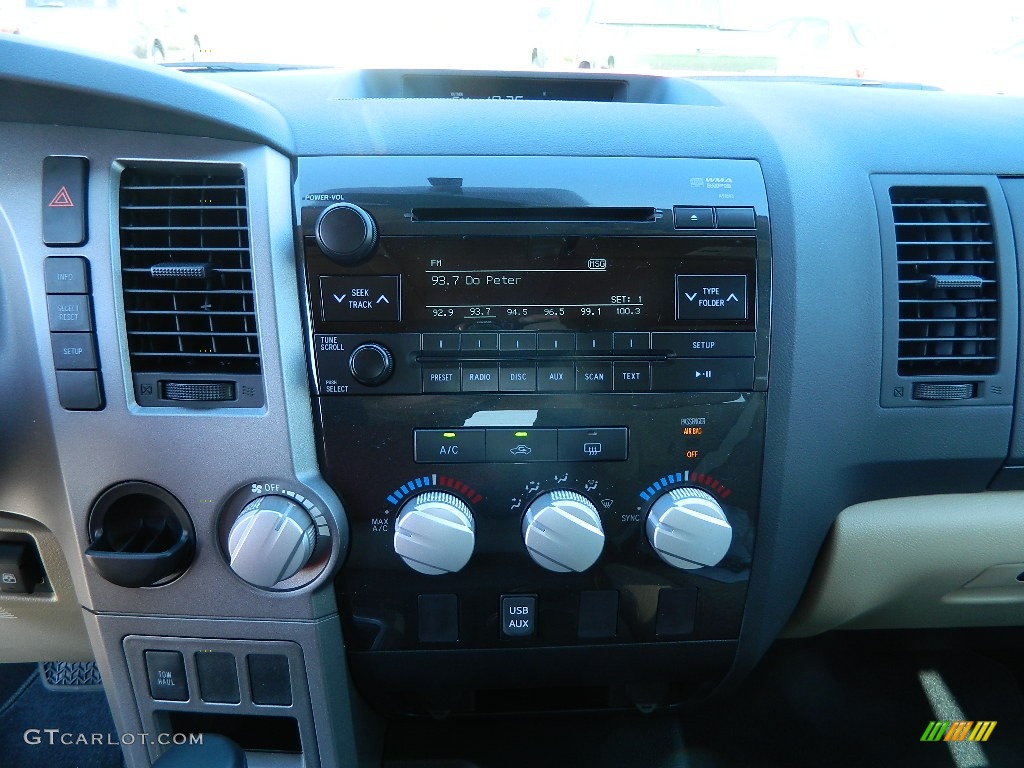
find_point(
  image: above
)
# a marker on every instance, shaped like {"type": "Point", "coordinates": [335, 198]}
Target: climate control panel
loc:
{"type": "Point", "coordinates": [593, 516]}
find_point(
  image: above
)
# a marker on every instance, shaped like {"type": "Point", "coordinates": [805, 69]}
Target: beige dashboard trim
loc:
{"type": "Point", "coordinates": [43, 626]}
{"type": "Point", "coordinates": [925, 561]}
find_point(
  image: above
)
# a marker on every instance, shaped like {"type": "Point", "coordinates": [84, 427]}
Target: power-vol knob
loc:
{"type": "Point", "coordinates": [562, 531]}
{"type": "Point", "coordinates": [688, 528]}
{"type": "Point", "coordinates": [346, 233]}
{"type": "Point", "coordinates": [435, 533]}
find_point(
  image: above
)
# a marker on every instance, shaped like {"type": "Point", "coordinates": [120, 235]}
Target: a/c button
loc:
{"type": "Point", "coordinates": [448, 446]}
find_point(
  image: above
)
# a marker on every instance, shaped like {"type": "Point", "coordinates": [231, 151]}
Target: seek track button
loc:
{"type": "Point", "coordinates": [359, 298]}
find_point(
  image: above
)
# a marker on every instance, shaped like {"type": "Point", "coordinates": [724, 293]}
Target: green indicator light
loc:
{"type": "Point", "coordinates": [449, 434]}
{"type": "Point", "coordinates": [521, 434]}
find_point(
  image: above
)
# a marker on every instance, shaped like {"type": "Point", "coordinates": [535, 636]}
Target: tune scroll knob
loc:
{"type": "Point", "coordinates": [688, 529]}
{"type": "Point", "coordinates": [271, 540]}
{"type": "Point", "coordinates": [435, 533]}
{"type": "Point", "coordinates": [346, 233]}
{"type": "Point", "coordinates": [563, 532]}
{"type": "Point", "coordinates": [371, 364]}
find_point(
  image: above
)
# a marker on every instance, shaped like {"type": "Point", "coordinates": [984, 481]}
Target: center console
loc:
{"type": "Point", "coordinates": [542, 401]}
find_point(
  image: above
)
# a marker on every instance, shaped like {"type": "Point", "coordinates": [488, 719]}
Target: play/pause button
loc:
{"type": "Point", "coordinates": [722, 374]}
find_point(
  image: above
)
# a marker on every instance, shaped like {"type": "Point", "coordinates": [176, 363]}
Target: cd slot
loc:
{"type": "Point", "coordinates": [564, 215]}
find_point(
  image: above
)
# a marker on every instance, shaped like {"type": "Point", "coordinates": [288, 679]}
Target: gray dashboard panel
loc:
{"type": "Point", "coordinates": [829, 444]}
{"type": "Point", "coordinates": [40, 83]}
{"type": "Point", "coordinates": [200, 457]}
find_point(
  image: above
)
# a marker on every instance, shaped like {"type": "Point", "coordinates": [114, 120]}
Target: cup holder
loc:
{"type": "Point", "coordinates": [139, 536]}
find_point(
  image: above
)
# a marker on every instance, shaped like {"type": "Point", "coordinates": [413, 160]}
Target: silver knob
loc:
{"type": "Point", "coordinates": [688, 529]}
{"type": "Point", "coordinates": [435, 533]}
{"type": "Point", "coordinates": [272, 539]}
{"type": "Point", "coordinates": [563, 532]}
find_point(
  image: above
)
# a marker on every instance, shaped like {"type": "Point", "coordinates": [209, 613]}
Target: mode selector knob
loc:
{"type": "Point", "coordinates": [346, 233]}
{"type": "Point", "coordinates": [371, 364]}
{"type": "Point", "coordinates": [563, 531]}
{"type": "Point", "coordinates": [435, 533]}
{"type": "Point", "coordinates": [688, 528]}
{"type": "Point", "coordinates": [272, 540]}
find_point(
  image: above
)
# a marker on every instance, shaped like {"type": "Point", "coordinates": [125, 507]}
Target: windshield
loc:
{"type": "Point", "coordinates": [928, 43]}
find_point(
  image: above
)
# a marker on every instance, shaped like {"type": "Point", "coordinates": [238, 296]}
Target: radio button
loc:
{"type": "Point", "coordinates": [440, 342]}
{"type": "Point", "coordinates": [593, 342]}
{"type": "Point", "coordinates": [711, 297]}
{"type": "Point", "coordinates": [632, 377]}
{"type": "Point", "coordinates": [444, 446]}
{"type": "Point", "coordinates": [517, 341]}
{"type": "Point", "coordinates": [517, 378]}
{"type": "Point", "coordinates": [593, 377]}
{"type": "Point", "coordinates": [705, 344]}
{"type": "Point", "coordinates": [479, 342]}
{"type": "Point", "coordinates": [479, 377]}
{"type": "Point", "coordinates": [631, 342]}
{"type": "Point", "coordinates": [702, 375]}
{"type": "Point", "coordinates": [441, 378]}
{"type": "Point", "coordinates": [561, 341]}
{"type": "Point", "coordinates": [556, 377]}
{"type": "Point", "coordinates": [601, 444]}
{"type": "Point", "coordinates": [517, 445]}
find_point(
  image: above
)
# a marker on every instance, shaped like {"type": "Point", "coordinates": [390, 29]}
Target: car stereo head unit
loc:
{"type": "Point", "coordinates": [540, 387]}
{"type": "Point", "coordinates": [407, 285]}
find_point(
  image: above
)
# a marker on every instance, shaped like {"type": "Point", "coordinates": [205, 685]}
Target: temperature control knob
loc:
{"type": "Point", "coordinates": [688, 528]}
{"type": "Point", "coordinates": [272, 539]}
{"type": "Point", "coordinates": [434, 533]}
{"type": "Point", "coordinates": [346, 233]}
{"type": "Point", "coordinates": [563, 532]}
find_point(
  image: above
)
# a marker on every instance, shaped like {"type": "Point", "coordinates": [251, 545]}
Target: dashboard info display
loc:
{"type": "Point", "coordinates": [554, 283]}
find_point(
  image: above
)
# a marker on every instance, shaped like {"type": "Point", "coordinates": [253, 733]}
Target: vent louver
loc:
{"type": "Point", "coordinates": [948, 281]}
{"type": "Point", "coordinates": [186, 271]}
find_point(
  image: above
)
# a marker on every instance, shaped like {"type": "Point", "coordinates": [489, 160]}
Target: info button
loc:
{"type": "Point", "coordinates": [449, 446]}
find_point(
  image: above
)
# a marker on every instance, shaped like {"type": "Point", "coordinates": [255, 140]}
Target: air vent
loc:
{"type": "Point", "coordinates": [948, 281]}
{"type": "Point", "coordinates": [187, 272]}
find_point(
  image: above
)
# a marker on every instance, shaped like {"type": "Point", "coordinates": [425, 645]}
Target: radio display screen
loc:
{"type": "Point", "coordinates": [571, 283]}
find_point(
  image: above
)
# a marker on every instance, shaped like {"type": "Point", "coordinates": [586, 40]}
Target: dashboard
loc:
{"type": "Point", "coordinates": [336, 397]}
